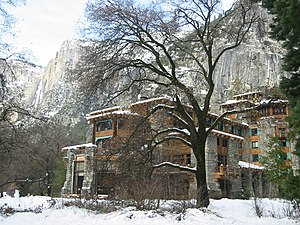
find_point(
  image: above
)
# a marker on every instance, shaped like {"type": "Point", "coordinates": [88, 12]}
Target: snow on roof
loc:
{"type": "Point", "coordinates": [250, 165]}
{"type": "Point", "coordinates": [104, 110]}
{"type": "Point", "coordinates": [151, 100]}
{"type": "Point", "coordinates": [227, 119]}
{"type": "Point", "coordinates": [227, 134]}
{"type": "Point", "coordinates": [274, 101]}
{"type": "Point", "coordinates": [247, 93]}
{"type": "Point", "coordinates": [234, 101]}
{"type": "Point", "coordinates": [117, 112]}
{"type": "Point", "coordinates": [79, 146]}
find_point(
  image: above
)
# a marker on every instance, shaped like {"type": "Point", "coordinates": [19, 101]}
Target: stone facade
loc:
{"type": "Point", "coordinates": [232, 151]}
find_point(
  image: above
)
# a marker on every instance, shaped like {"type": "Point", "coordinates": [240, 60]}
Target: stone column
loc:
{"type": "Point", "coordinates": [233, 171]}
{"type": "Point", "coordinates": [68, 184]}
{"type": "Point", "coordinates": [211, 158]}
{"type": "Point", "coordinates": [88, 187]}
{"type": "Point", "coordinates": [260, 185]}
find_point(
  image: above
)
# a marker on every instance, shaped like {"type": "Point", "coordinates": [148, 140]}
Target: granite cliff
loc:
{"type": "Point", "coordinates": [254, 65]}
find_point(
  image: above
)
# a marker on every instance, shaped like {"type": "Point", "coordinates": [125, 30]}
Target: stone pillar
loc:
{"type": "Point", "coordinates": [88, 187]}
{"type": "Point", "coordinates": [193, 184]}
{"type": "Point", "coordinates": [295, 160]}
{"type": "Point", "coordinates": [260, 185]}
{"type": "Point", "coordinates": [211, 158]}
{"type": "Point", "coordinates": [233, 170]}
{"type": "Point", "coordinates": [68, 184]}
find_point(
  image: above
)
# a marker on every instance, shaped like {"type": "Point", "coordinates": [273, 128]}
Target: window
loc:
{"type": "Point", "coordinates": [241, 145]}
{"type": "Point", "coordinates": [254, 144]}
{"type": "Point", "coordinates": [241, 157]}
{"type": "Point", "coordinates": [103, 125]}
{"type": "Point", "coordinates": [282, 132]}
{"type": "Point", "coordinates": [254, 132]}
{"type": "Point", "coordinates": [222, 159]}
{"type": "Point", "coordinates": [218, 141]}
{"type": "Point", "coordinates": [80, 166]}
{"type": "Point", "coordinates": [103, 142]}
{"type": "Point", "coordinates": [264, 110]}
{"type": "Point", "coordinates": [255, 157]}
{"type": "Point", "coordinates": [221, 126]}
{"type": "Point", "coordinates": [286, 143]}
{"type": "Point", "coordinates": [225, 143]}
{"type": "Point", "coordinates": [240, 132]}
{"type": "Point", "coordinates": [279, 110]}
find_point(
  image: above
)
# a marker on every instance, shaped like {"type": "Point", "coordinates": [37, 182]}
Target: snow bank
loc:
{"type": "Point", "coordinates": [220, 212]}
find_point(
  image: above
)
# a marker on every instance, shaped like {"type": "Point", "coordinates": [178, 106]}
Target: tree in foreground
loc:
{"type": "Point", "coordinates": [174, 46]}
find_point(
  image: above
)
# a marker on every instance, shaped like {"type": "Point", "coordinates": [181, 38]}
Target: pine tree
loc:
{"type": "Point", "coordinates": [274, 161]}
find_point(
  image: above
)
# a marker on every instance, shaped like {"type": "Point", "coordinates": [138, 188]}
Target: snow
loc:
{"type": "Point", "coordinates": [79, 146]}
{"type": "Point", "coordinates": [104, 110]}
{"type": "Point", "coordinates": [234, 101]}
{"type": "Point", "coordinates": [247, 93]}
{"type": "Point", "coordinates": [151, 100]}
{"type": "Point", "coordinates": [220, 212]}
{"type": "Point", "coordinates": [117, 112]}
{"type": "Point", "coordinates": [249, 165]}
{"type": "Point", "coordinates": [226, 134]}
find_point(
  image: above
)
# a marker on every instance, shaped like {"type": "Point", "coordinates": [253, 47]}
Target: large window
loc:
{"type": "Point", "coordinates": [103, 125]}
{"type": "Point", "coordinates": [79, 166]}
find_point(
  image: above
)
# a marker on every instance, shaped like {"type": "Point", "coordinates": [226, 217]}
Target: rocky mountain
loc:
{"type": "Point", "coordinates": [255, 65]}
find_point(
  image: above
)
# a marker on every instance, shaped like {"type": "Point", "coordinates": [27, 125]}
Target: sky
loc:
{"type": "Point", "coordinates": [43, 25]}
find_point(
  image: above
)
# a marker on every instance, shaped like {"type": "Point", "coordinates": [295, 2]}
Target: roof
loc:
{"type": "Point", "coordinates": [151, 100]}
{"type": "Point", "coordinates": [228, 134]}
{"type": "Point", "coordinates": [247, 93]}
{"type": "Point", "coordinates": [234, 101]}
{"type": "Point", "coordinates": [117, 112]}
{"type": "Point", "coordinates": [104, 110]}
{"type": "Point", "coordinates": [78, 146]}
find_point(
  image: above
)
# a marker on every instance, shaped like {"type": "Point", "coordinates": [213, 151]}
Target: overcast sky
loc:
{"type": "Point", "coordinates": [43, 25]}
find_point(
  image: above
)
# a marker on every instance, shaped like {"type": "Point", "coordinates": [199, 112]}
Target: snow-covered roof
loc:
{"type": "Point", "coordinates": [250, 165]}
{"type": "Point", "coordinates": [117, 112]}
{"type": "Point", "coordinates": [104, 110]}
{"type": "Point", "coordinates": [274, 101]}
{"type": "Point", "coordinates": [227, 134]}
{"type": "Point", "coordinates": [234, 101]}
{"type": "Point", "coordinates": [227, 119]}
{"type": "Point", "coordinates": [247, 93]}
{"type": "Point", "coordinates": [79, 146]}
{"type": "Point", "coordinates": [151, 100]}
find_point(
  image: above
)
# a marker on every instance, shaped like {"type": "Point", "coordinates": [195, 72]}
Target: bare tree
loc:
{"type": "Point", "coordinates": [174, 45]}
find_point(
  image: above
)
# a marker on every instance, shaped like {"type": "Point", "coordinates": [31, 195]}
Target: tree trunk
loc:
{"type": "Point", "coordinates": [202, 191]}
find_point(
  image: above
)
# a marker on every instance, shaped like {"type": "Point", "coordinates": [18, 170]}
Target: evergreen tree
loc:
{"type": "Point", "coordinates": [276, 167]}
{"type": "Point", "coordinates": [286, 28]}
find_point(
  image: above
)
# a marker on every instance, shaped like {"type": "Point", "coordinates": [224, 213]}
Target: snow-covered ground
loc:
{"type": "Point", "coordinates": [43, 211]}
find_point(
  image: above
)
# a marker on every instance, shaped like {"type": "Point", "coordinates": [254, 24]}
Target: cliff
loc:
{"type": "Point", "coordinates": [254, 65]}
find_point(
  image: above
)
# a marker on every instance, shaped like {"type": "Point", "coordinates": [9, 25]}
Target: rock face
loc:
{"type": "Point", "coordinates": [254, 65]}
